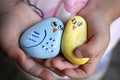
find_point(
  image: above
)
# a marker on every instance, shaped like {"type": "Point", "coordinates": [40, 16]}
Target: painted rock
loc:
{"type": "Point", "coordinates": [43, 40]}
{"type": "Point", "coordinates": [75, 34]}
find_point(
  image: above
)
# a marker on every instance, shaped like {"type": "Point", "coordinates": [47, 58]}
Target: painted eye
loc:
{"type": "Point", "coordinates": [74, 21]}
{"type": "Point", "coordinates": [79, 24]}
{"type": "Point", "coordinates": [60, 27]}
{"type": "Point", "coordinates": [54, 24]}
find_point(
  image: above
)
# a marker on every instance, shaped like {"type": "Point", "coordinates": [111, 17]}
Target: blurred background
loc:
{"type": "Point", "coordinates": [113, 70]}
{"type": "Point", "coordinates": [10, 71]}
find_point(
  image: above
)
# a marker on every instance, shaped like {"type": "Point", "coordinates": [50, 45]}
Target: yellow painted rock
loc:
{"type": "Point", "coordinates": [75, 34]}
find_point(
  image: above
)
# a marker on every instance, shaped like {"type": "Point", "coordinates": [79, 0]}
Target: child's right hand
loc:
{"type": "Point", "coordinates": [12, 24]}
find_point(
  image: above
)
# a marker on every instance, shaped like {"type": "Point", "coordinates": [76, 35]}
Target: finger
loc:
{"type": "Point", "coordinates": [58, 64]}
{"type": "Point", "coordinates": [50, 62]}
{"type": "Point", "coordinates": [94, 46]}
{"type": "Point", "coordinates": [61, 63]}
{"type": "Point", "coordinates": [47, 63]}
{"type": "Point", "coordinates": [27, 63]}
{"type": "Point", "coordinates": [98, 38]}
{"type": "Point", "coordinates": [36, 69]}
{"type": "Point", "coordinates": [57, 71]}
{"type": "Point", "coordinates": [84, 71]}
{"type": "Point", "coordinates": [98, 33]}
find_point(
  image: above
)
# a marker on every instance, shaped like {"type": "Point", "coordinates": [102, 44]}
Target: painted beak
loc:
{"type": "Point", "coordinates": [74, 27]}
{"type": "Point", "coordinates": [54, 29]}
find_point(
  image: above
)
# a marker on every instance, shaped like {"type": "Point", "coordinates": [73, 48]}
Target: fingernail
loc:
{"type": "Point", "coordinates": [78, 54]}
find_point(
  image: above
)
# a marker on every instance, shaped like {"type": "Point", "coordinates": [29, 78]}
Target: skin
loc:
{"type": "Point", "coordinates": [14, 20]}
{"type": "Point", "coordinates": [16, 17]}
{"type": "Point", "coordinates": [99, 14]}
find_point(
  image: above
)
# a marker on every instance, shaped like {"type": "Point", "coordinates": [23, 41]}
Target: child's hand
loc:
{"type": "Point", "coordinates": [94, 48]}
{"type": "Point", "coordinates": [98, 39]}
{"type": "Point", "coordinates": [12, 24]}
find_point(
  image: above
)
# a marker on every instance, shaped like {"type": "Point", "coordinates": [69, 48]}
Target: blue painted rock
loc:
{"type": "Point", "coordinates": [43, 40]}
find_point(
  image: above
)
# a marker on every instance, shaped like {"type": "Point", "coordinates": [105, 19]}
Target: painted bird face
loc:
{"type": "Point", "coordinates": [56, 26]}
{"type": "Point", "coordinates": [76, 23]}
{"type": "Point", "coordinates": [39, 41]}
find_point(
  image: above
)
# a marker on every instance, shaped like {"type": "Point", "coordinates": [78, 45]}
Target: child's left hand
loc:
{"type": "Point", "coordinates": [98, 39]}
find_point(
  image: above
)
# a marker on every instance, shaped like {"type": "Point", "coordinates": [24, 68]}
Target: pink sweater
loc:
{"type": "Point", "coordinates": [62, 9]}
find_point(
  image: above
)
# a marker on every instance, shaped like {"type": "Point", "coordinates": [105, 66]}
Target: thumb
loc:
{"type": "Point", "coordinates": [95, 46]}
